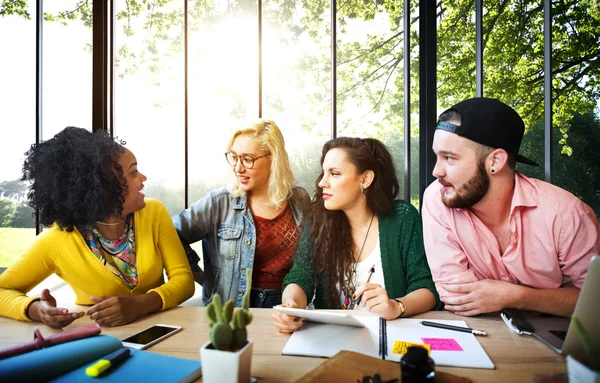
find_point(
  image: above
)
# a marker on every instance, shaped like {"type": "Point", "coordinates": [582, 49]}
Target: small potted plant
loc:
{"type": "Point", "coordinates": [227, 357]}
{"type": "Point", "coordinates": [578, 371]}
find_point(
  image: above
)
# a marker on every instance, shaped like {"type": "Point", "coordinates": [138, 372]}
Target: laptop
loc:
{"type": "Point", "coordinates": [559, 333]}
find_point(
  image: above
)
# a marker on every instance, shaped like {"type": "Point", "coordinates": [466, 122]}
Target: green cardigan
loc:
{"type": "Point", "coordinates": [405, 267]}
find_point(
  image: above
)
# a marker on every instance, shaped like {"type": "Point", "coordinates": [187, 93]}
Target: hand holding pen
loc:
{"type": "Point", "coordinates": [371, 271]}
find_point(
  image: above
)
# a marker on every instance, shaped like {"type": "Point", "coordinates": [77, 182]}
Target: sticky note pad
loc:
{"type": "Point", "coordinates": [401, 347]}
{"type": "Point", "coordinates": [442, 344]}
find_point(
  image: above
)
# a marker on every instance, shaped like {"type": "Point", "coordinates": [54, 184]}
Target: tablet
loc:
{"type": "Point", "coordinates": [321, 316]}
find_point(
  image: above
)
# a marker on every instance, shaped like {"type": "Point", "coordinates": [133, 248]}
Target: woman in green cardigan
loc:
{"type": "Point", "coordinates": [359, 241]}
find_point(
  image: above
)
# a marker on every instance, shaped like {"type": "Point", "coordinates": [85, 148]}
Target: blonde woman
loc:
{"type": "Point", "coordinates": [252, 224]}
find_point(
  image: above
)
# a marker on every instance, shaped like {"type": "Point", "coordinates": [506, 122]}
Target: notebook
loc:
{"type": "Point", "coordinates": [557, 332]}
{"type": "Point", "coordinates": [448, 348]}
{"type": "Point", "coordinates": [67, 363]}
{"type": "Point", "coordinates": [141, 366]}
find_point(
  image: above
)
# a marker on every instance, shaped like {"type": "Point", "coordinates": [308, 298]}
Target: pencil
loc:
{"type": "Point", "coordinates": [453, 328]}
{"type": "Point", "coordinates": [371, 271]}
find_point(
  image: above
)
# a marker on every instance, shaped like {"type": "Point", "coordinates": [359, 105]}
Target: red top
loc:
{"type": "Point", "coordinates": [276, 243]}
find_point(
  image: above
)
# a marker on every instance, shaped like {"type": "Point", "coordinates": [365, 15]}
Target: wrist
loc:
{"type": "Point", "coordinates": [149, 303]}
{"type": "Point", "coordinates": [515, 297]}
{"type": "Point", "coordinates": [400, 307]}
{"type": "Point", "coordinates": [33, 310]}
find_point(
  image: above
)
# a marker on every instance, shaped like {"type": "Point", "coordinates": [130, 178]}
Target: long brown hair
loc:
{"type": "Point", "coordinates": [330, 229]}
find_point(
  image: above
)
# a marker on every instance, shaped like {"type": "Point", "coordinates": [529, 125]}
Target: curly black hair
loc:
{"type": "Point", "coordinates": [75, 178]}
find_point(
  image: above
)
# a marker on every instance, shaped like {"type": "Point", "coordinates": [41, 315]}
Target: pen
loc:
{"type": "Point", "coordinates": [454, 328]}
{"type": "Point", "coordinates": [380, 336]}
{"type": "Point", "coordinates": [368, 279]}
{"type": "Point", "coordinates": [109, 361]}
{"type": "Point", "coordinates": [384, 345]}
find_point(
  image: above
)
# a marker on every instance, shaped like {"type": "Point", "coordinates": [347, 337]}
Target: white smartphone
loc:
{"type": "Point", "coordinates": [150, 336]}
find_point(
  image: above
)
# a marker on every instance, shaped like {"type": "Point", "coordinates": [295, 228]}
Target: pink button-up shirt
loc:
{"type": "Point", "coordinates": [554, 235]}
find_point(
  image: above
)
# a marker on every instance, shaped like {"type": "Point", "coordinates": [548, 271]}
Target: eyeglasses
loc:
{"type": "Point", "coordinates": [246, 159]}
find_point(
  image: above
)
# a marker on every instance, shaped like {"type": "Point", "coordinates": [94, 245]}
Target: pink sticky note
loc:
{"type": "Point", "coordinates": [442, 344]}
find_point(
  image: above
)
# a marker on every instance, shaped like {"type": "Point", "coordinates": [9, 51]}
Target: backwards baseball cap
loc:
{"type": "Point", "coordinates": [491, 123]}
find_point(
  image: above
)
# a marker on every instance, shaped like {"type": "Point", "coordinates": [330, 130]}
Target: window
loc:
{"type": "Point", "coordinates": [149, 95]}
{"type": "Point", "coordinates": [67, 69]}
{"type": "Point", "coordinates": [371, 79]}
{"type": "Point", "coordinates": [223, 87]}
{"type": "Point", "coordinates": [17, 225]}
{"type": "Point", "coordinates": [297, 83]}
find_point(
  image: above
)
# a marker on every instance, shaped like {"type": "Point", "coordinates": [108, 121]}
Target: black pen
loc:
{"type": "Point", "coordinates": [381, 337]}
{"type": "Point", "coordinates": [368, 279]}
{"type": "Point", "coordinates": [384, 353]}
{"type": "Point", "coordinates": [454, 328]}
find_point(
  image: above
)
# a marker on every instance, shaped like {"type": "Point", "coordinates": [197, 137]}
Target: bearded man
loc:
{"type": "Point", "coordinates": [495, 238]}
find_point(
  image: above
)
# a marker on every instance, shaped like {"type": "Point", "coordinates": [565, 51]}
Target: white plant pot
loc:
{"type": "Point", "coordinates": [226, 366]}
{"type": "Point", "coordinates": [580, 373]}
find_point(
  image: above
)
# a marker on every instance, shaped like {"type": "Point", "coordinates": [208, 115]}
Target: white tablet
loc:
{"type": "Point", "coordinates": [322, 316]}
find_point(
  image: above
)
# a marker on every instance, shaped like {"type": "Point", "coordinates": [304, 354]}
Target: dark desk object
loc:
{"type": "Point", "coordinates": [348, 366]}
{"type": "Point", "coordinates": [40, 342]}
{"type": "Point", "coordinates": [417, 366]}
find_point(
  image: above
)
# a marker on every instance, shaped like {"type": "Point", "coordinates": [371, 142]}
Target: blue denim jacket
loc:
{"type": "Point", "coordinates": [226, 227]}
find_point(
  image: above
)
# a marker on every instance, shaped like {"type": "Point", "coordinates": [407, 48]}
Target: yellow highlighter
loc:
{"type": "Point", "coordinates": [109, 361]}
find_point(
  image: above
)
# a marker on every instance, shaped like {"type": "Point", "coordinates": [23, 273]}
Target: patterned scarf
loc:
{"type": "Point", "coordinates": [117, 255]}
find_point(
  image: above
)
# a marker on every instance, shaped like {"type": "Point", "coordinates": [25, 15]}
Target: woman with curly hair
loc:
{"type": "Point", "coordinates": [252, 224]}
{"type": "Point", "coordinates": [105, 239]}
{"type": "Point", "coordinates": [359, 241]}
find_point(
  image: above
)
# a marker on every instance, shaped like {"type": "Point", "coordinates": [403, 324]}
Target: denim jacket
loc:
{"type": "Point", "coordinates": [226, 227]}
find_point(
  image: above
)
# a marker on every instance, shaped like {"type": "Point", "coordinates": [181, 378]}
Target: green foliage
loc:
{"type": "Point", "coordinates": [7, 211]}
{"type": "Point", "coordinates": [15, 7]}
{"type": "Point", "coordinates": [15, 190]}
{"type": "Point", "coordinates": [14, 211]}
{"type": "Point", "coordinates": [578, 171]}
{"type": "Point", "coordinates": [23, 217]}
{"type": "Point", "coordinates": [370, 69]}
{"type": "Point", "coordinates": [228, 328]}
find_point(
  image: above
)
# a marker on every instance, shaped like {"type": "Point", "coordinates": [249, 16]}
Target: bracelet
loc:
{"type": "Point", "coordinates": [402, 307]}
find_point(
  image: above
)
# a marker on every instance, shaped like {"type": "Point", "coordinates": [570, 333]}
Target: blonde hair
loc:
{"type": "Point", "coordinates": [269, 139]}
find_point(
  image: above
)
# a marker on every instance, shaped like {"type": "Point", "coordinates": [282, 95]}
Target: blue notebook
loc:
{"type": "Point", "coordinates": [67, 363]}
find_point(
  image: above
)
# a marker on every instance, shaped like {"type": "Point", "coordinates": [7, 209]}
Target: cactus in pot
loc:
{"type": "Point", "coordinates": [228, 328]}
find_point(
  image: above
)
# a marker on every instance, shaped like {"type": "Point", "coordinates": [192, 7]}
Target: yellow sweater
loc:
{"type": "Point", "coordinates": [67, 255]}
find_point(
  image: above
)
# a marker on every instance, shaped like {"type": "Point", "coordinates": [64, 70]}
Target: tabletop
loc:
{"type": "Point", "coordinates": [516, 357]}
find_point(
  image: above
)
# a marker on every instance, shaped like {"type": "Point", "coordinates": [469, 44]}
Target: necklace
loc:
{"type": "Point", "coordinates": [350, 286]}
{"type": "Point", "coordinates": [114, 223]}
{"type": "Point", "coordinates": [364, 241]}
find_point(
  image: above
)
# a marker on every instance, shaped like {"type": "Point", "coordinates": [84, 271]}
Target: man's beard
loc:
{"type": "Point", "coordinates": [471, 192]}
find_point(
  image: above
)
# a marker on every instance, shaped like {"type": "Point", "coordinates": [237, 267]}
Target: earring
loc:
{"type": "Point", "coordinates": [492, 170]}
{"type": "Point", "coordinates": [362, 189]}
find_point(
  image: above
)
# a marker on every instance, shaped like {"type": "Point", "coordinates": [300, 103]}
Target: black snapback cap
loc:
{"type": "Point", "coordinates": [489, 122]}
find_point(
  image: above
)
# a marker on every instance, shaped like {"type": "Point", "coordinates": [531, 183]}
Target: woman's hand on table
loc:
{"type": "Point", "coordinates": [45, 311]}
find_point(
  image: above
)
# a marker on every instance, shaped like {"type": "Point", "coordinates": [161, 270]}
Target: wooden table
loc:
{"type": "Point", "coordinates": [516, 357]}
